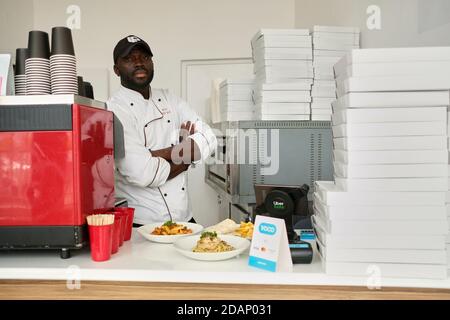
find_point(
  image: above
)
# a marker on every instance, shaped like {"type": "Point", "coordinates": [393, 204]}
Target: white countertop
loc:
{"type": "Point", "coordinates": [145, 261]}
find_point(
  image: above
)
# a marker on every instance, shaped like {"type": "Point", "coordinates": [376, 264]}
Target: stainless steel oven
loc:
{"type": "Point", "coordinates": [269, 152]}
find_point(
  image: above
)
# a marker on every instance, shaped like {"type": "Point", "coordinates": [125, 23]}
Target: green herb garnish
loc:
{"type": "Point", "coordinates": [169, 223]}
{"type": "Point", "coordinates": [208, 234]}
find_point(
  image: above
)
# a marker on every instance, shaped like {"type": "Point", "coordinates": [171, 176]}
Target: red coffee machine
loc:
{"type": "Point", "coordinates": [56, 167]}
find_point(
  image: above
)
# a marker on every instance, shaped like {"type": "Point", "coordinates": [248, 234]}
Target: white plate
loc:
{"type": "Point", "coordinates": [186, 244]}
{"type": "Point", "coordinates": [146, 232]}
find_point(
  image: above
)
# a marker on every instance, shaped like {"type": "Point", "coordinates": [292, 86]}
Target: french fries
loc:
{"type": "Point", "coordinates": [245, 230]}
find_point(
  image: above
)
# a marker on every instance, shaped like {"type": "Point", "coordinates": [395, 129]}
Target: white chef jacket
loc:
{"type": "Point", "coordinates": [142, 178]}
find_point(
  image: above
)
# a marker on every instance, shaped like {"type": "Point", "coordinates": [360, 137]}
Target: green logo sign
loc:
{"type": "Point", "coordinates": [278, 205]}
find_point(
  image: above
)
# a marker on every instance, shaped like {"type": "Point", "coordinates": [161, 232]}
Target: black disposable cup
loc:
{"type": "Point", "coordinates": [81, 87]}
{"type": "Point", "coordinates": [62, 41]}
{"type": "Point", "coordinates": [21, 56]}
{"type": "Point", "coordinates": [89, 90]}
{"type": "Point", "coordinates": [38, 44]}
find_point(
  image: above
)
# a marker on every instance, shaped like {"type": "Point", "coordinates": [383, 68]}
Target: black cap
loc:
{"type": "Point", "coordinates": [124, 46]}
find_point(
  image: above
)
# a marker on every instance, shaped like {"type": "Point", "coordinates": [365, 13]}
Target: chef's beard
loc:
{"type": "Point", "coordinates": [131, 83]}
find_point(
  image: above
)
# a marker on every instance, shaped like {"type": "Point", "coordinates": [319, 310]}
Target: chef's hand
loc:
{"type": "Point", "coordinates": [186, 130]}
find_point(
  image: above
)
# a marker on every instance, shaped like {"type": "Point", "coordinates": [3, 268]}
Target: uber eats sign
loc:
{"type": "Point", "coordinates": [278, 204]}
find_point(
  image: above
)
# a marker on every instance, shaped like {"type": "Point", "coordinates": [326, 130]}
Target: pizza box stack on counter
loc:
{"type": "Point", "coordinates": [284, 72]}
{"type": "Point", "coordinates": [448, 193]}
{"type": "Point", "coordinates": [386, 212]}
{"type": "Point", "coordinates": [330, 44]}
{"type": "Point", "coordinates": [235, 100]}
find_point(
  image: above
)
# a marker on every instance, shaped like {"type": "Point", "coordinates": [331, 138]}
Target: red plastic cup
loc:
{"type": "Point", "coordinates": [123, 225]}
{"type": "Point", "coordinates": [100, 238]}
{"type": "Point", "coordinates": [129, 226]}
{"type": "Point", "coordinates": [117, 230]}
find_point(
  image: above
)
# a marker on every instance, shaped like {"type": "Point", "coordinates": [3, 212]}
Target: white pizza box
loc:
{"type": "Point", "coordinates": [274, 80]}
{"type": "Point", "coordinates": [348, 39]}
{"type": "Point", "coordinates": [379, 171]}
{"type": "Point", "coordinates": [335, 241]}
{"type": "Point", "coordinates": [379, 213]}
{"type": "Point", "coordinates": [278, 42]}
{"type": "Point", "coordinates": [392, 99]}
{"type": "Point", "coordinates": [231, 109]}
{"type": "Point", "coordinates": [321, 112]}
{"type": "Point", "coordinates": [366, 115]}
{"type": "Point", "coordinates": [283, 96]}
{"type": "Point", "coordinates": [269, 76]}
{"type": "Point", "coordinates": [323, 68]}
{"type": "Point", "coordinates": [323, 92]}
{"type": "Point", "coordinates": [280, 32]}
{"type": "Point", "coordinates": [331, 195]}
{"type": "Point", "coordinates": [390, 156]}
{"type": "Point", "coordinates": [285, 72]}
{"type": "Point", "coordinates": [238, 116]}
{"type": "Point", "coordinates": [320, 117]}
{"type": "Point", "coordinates": [380, 55]}
{"type": "Point", "coordinates": [237, 104]}
{"type": "Point", "coordinates": [413, 256]}
{"type": "Point", "coordinates": [236, 96]}
{"type": "Point", "coordinates": [400, 184]}
{"type": "Point", "coordinates": [329, 53]}
{"type": "Point", "coordinates": [324, 101]}
{"type": "Point", "coordinates": [303, 68]}
{"type": "Point", "coordinates": [281, 63]}
{"type": "Point", "coordinates": [430, 128]}
{"type": "Point", "coordinates": [321, 106]}
{"type": "Point", "coordinates": [334, 45]}
{"type": "Point", "coordinates": [391, 83]}
{"type": "Point", "coordinates": [325, 83]}
{"type": "Point", "coordinates": [416, 68]}
{"type": "Point", "coordinates": [337, 29]}
{"type": "Point", "coordinates": [283, 117]}
{"type": "Point", "coordinates": [336, 35]}
{"type": "Point", "coordinates": [328, 61]}
{"type": "Point", "coordinates": [386, 270]}
{"type": "Point", "coordinates": [283, 53]}
{"type": "Point", "coordinates": [283, 108]}
{"type": "Point", "coordinates": [303, 85]}
{"type": "Point", "coordinates": [323, 76]}
{"type": "Point", "coordinates": [383, 227]}
{"type": "Point", "coordinates": [391, 143]}
{"type": "Point", "coordinates": [285, 37]}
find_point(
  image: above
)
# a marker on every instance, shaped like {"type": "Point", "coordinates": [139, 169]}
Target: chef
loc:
{"type": "Point", "coordinates": [163, 136]}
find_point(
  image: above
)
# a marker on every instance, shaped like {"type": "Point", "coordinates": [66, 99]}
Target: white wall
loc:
{"type": "Point", "coordinates": [175, 29]}
{"type": "Point", "coordinates": [16, 19]}
{"type": "Point", "coordinates": [403, 22]}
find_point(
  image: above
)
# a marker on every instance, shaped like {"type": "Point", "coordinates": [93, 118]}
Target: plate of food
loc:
{"type": "Point", "coordinates": [229, 227]}
{"type": "Point", "coordinates": [169, 231]}
{"type": "Point", "coordinates": [211, 247]}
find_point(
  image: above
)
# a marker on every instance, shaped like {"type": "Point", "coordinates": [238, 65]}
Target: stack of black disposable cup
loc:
{"type": "Point", "coordinates": [89, 90]}
{"type": "Point", "coordinates": [63, 66]}
{"type": "Point", "coordinates": [37, 66]}
{"type": "Point", "coordinates": [20, 80]}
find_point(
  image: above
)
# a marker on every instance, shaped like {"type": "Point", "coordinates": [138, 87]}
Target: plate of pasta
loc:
{"type": "Point", "coordinates": [211, 247]}
{"type": "Point", "coordinates": [168, 231]}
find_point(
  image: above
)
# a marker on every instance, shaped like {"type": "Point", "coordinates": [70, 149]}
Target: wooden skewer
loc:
{"type": "Point", "coordinates": [100, 219]}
